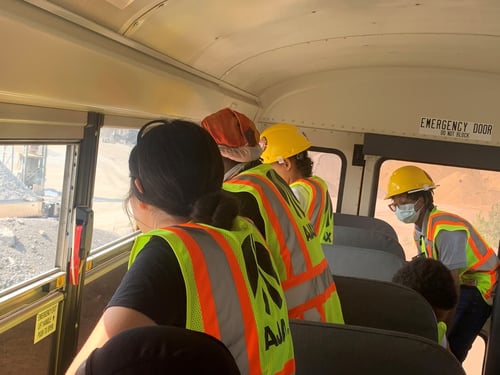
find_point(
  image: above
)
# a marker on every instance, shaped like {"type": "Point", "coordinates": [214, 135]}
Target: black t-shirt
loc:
{"type": "Point", "coordinates": [154, 285]}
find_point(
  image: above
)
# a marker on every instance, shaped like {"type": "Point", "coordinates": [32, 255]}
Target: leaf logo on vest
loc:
{"type": "Point", "coordinates": [262, 276]}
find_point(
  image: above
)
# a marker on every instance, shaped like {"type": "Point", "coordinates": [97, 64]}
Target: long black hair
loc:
{"type": "Point", "coordinates": [180, 171]}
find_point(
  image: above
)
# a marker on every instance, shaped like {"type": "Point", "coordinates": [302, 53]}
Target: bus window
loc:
{"type": "Point", "coordinates": [471, 193]}
{"type": "Point", "coordinates": [111, 187]}
{"type": "Point", "coordinates": [328, 166]}
{"type": "Point", "coordinates": [31, 185]}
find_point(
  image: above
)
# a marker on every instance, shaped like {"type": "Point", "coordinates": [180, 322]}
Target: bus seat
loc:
{"type": "Point", "coordinates": [364, 222]}
{"type": "Point", "coordinates": [367, 238]}
{"type": "Point", "coordinates": [362, 262]}
{"type": "Point", "coordinates": [160, 350]}
{"type": "Point", "coordinates": [491, 357]}
{"type": "Point", "coordinates": [385, 305]}
{"type": "Point", "coordinates": [323, 348]}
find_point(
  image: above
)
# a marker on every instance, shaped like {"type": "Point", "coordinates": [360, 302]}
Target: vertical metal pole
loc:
{"type": "Point", "coordinates": [66, 342]}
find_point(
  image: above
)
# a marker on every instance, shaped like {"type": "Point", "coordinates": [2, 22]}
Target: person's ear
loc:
{"type": "Point", "coordinates": [138, 185]}
{"type": "Point", "coordinates": [142, 205]}
{"type": "Point", "coordinates": [420, 203]}
{"type": "Point", "coordinates": [287, 164]}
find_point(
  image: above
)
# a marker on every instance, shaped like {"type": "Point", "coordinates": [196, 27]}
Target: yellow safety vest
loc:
{"type": "Point", "coordinates": [482, 262]}
{"type": "Point", "coordinates": [319, 207]}
{"type": "Point", "coordinates": [233, 292]}
{"type": "Point", "coordinates": [309, 288]}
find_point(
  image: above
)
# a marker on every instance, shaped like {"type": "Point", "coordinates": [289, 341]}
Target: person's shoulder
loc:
{"type": "Point", "coordinates": [157, 249]}
{"type": "Point", "coordinates": [440, 214]}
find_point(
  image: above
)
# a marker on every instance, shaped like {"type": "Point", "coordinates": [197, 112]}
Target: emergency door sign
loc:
{"type": "Point", "coordinates": [456, 129]}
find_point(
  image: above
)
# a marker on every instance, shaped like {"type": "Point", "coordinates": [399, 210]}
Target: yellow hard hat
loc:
{"type": "Point", "coordinates": [409, 179]}
{"type": "Point", "coordinates": [280, 141]}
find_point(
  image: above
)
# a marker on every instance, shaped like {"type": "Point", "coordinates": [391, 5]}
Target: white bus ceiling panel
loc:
{"type": "Point", "coordinates": [25, 122]}
{"type": "Point", "coordinates": [254, 45]}
{"type": "Point", "coordinates": [53, 62]}
{"type": "Point", "coordinates": [395, 101]}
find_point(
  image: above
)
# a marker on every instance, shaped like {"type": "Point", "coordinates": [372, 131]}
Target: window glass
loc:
{"type": "Point", "coordinates": [111, 187]}
{"type": "Point", "coordinates": [328, 166]}
{"type": "Point", "coordinates": [31, 183]}
{"type": "Point", "coordinates": [471, 193]}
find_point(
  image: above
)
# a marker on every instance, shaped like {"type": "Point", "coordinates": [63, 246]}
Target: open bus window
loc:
{"type": "Point", "coordinates": [471, 193]}
{"type": "Point", "coordinates": [111, 221]}
{"type": "Point", "coordinates": [328, 166]}
{"type": "Point", "coordinates": [31, 183]}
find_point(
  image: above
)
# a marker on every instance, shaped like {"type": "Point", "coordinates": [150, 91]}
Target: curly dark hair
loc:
{"type": "Point", "coordinates": [303, 163]}
{"type": "Point", "coordinates": [431, 279]}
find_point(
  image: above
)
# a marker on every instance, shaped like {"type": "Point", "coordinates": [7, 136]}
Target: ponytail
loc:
{"type": "Point", "coordinates": [217, 209]}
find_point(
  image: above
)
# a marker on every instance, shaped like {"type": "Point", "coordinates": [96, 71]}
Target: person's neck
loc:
{"type": "Point", "coordinates": [420, 221]}
{"type": "Point", "coordinates": [228, 164]}
{"type": "Point", "coordinates": [160, 219]}
{"type": "Point", "coordinates": [295, 176]}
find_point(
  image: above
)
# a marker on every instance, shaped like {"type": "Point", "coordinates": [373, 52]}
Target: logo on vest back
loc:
{"type": "Point", "coordinates": [260, 267]}
{"type": "Point", "coordinates": [309, 231]}
{"type": "Point", "coordinates": [327, 237]}
{"type": "Point", "coordinates": [276, 337]}
{"type": "Point", "coordinates": [264, 282]}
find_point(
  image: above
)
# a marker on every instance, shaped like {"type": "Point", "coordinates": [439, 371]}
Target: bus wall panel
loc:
{"type": "Point", "coordinates": [18, 353]}
{"type": "Point", "coordinates": [96, 296]}
{"type": "Point", "coordinates": [386, 101]}
{"type": "Point", "coordinates": [52, 62]}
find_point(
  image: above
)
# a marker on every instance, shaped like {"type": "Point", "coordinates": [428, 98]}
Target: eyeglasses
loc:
{"type": "Point", "coordinates": [407, 200]}
{"type": "Point", "coordinates": [392, 207]}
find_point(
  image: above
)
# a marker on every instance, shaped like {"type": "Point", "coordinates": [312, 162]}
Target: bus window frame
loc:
{"type": "Point", "coordinates": [343, 171]}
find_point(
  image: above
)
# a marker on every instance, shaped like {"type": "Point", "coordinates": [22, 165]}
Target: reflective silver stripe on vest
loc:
{"type": "Point", "coordinates": [292, 244]}
{"type": "Point", "coordinates": [439, 216]}
{"type": "Point", "coordinates": [303, 292]}
{"type": "Point", "coordinates": [229, 315]}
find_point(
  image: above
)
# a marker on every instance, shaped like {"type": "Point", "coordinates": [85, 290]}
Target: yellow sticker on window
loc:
{"type": "Point", "coordinates": [45, 322]}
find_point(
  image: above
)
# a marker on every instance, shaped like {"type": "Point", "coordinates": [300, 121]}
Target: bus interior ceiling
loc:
{"type": "Point", "coordinates": [367, 66]}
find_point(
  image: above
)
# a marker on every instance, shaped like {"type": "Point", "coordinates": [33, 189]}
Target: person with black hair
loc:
{"type": "Point", "coordinates": [285, 148]}
{"type": "Point", "coordinates": [452, 240]}
{"type": "Point", "coordinates": [197, 264]}
{"type": "Point", "coordinates": [434, 282]}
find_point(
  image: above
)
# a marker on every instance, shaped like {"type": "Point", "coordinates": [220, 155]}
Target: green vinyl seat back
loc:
{"type": "Point", "coordinates": [385, 305]}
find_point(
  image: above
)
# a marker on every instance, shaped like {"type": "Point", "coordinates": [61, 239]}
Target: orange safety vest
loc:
{"type": "Point", "coordinates": [482, 262]}
{"type": "Point", "coordinates": [319, 206]}
{"type": "Point", "coordinates": [232, 292]}
{"type": "Point", "coordinates": [305, 275]}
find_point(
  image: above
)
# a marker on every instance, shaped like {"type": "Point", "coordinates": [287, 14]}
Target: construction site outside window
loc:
{"type": "Point", "coordinates": [31, 183]}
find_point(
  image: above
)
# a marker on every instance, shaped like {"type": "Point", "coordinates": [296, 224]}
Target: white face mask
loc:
{"type": "Point", "coordinates": [406, 213]}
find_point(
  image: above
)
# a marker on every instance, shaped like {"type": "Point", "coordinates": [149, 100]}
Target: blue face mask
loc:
{"type": "Point", "coordinates": [407, 213]}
